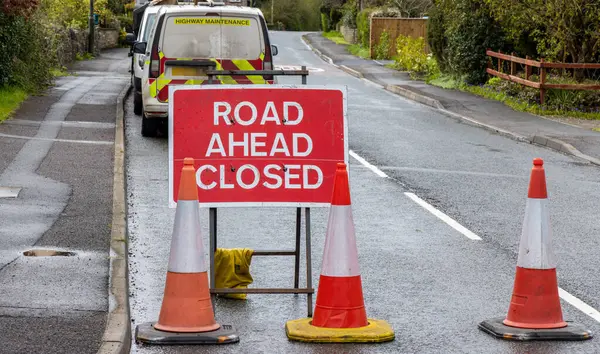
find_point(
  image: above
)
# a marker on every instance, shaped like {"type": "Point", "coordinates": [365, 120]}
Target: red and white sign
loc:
{"type": "Point", "coordinates": [258, 145]}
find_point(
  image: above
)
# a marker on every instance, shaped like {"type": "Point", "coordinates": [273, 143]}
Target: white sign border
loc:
{"type": "Point", "coordinates": [174, 88]}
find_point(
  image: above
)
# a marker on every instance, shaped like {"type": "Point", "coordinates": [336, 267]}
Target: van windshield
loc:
{"type": "Point", "coordinates": [212, 37]}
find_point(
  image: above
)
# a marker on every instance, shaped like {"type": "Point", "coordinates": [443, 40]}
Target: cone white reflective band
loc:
{"type": "Point", "coordinates": [187, 250]}
{"type": "Point", "coordinates": [535, 248]}
{"type": "Point", "coordinates": [340, 256]}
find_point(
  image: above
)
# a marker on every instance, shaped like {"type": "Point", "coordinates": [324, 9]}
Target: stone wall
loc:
{"type": "Point", "coordinates": [349, 34]}
{"type": "Point", "coordinates": [71, 42]}
{"type": "Point", "coordinates": [107, 38]}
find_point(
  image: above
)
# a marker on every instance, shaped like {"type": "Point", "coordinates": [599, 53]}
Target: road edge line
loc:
{"type": "Point", "coordinates": [117, 334]}
{"type": "Point", "coordinates": [443, 217]}
{"type": "Point", "coordinates": [366, 163]}
{"type": "Point", "coordinates": [555, 144]}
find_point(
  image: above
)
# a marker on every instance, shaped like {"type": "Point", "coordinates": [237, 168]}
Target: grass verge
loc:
{"type": "Point", "coordinates": [359, 51]}
{"type": "Point", "coordinates": [335, 36]}
{"type": "Point", "coordinates": [10, 99]}
{"type": "Point", "coordinates": [354, 49]}
{"type": "Point", "coordinates": [447, 82]}
{"type": "Point", "coordinates": [59, 72]}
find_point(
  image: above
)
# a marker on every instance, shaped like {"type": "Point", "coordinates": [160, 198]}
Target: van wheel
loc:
{"type": "Point", "coordinates": [137, 104]}
{"type": "Point", "coordinates": [149, 127]}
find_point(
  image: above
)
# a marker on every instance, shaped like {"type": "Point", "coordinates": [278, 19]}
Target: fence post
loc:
{"type": "Point", "coordinates": [513, 65]}
{"type": "Point", "coordinates": [527, 68]}
{"type": "Point", "coordinates": [542, 81]}
{"type": "Point", "coordinates": [371, 37]}
{"type": "Point", "coordinates": [499, 62]}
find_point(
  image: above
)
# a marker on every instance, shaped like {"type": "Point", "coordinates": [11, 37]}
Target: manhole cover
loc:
{"type": "Point", "coordinates": [46, 253]}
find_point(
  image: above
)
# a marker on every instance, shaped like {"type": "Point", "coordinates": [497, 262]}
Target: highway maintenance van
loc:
{"type": "Point", "coordinates": [188, 40]}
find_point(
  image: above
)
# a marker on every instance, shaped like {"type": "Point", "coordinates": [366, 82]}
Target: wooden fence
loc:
{"type": "Point", "coordinates": [542, 85]}
{"type": "Point", "coordinates": [411, 27]}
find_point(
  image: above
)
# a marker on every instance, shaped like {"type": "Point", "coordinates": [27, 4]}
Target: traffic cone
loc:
{"type": "Point", "coordinates": [340, 314]}
{"type": "Point", "coordinates": [186, 315]}
{"type": "Point", "coordinates": [535, 312]}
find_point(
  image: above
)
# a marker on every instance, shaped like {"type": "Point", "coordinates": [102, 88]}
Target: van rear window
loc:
{"type": "Point", "coordinates": [212, 37]}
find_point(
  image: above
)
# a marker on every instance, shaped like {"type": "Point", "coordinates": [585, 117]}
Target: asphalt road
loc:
{"type": "Point", "coordinates": [58, 149]}
{"type": "Point", "coordinates": [429, 281]}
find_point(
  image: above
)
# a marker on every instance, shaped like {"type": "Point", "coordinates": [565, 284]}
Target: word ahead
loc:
{"type": "Point", "coordinates": [258, 145]}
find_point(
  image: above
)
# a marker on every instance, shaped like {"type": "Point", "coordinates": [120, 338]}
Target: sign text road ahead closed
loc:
{"type": "Point", "coordinates": [258, 145]}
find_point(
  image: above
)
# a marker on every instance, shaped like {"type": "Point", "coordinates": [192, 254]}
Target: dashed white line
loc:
{"type": "Point", "coordinates": [445, 218]}
{"type": "Point", "coordinates": [565, 295]}
{"type": "Point", "coordinates": [578, 304]}
{"type": "Point", "coordinates": [377, 171]}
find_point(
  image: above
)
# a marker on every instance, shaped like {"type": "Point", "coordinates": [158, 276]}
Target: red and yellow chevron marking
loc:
{"type": "Point", "coordinates": [159, 87]}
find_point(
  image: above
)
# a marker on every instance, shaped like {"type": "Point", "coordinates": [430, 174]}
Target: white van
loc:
{"type": "Point", "coordinates": [188, 40]}
{"type": "Point", "coordinates": [137, 65]}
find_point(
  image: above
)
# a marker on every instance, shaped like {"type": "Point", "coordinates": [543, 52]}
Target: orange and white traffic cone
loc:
{"type": "Point", "coordinates": [535, 312]}
{"type": "Point", "coordinates": [340, 314]}
{"type": "Point", "coordinates": [186, 315]}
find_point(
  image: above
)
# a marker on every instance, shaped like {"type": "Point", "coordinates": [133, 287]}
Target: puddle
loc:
{"type": "Point", "coordinates": [46, 253]}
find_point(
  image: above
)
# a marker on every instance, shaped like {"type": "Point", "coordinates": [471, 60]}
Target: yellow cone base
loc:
{"type": "Point", "coordinates": [377, 331]}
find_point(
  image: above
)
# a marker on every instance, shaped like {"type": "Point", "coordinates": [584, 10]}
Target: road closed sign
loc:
{"type": "Point", "coordinates": [258, 145]}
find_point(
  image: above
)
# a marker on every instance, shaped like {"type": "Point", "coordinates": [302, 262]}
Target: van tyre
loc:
{"type": "Point", "coordinates": [137, 104]}
{"type": "Point", "coordinates": [149, 127]}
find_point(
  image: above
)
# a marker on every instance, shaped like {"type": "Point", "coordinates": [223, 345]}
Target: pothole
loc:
{"type": "Point", "coordinates": [46, 253]}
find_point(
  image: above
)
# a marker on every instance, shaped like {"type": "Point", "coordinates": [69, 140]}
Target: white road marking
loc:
{"type": "Point", "coordinates": [93, 142]}
{"type": "Point", "coordinates": [78, 124]}
{"type": "Point", "coordinates": [566, 296]}
{"type": "Point", "coordinates": [377, 171]}
{"type": "Point", "coordinates": [445, 218]}
{"type": "Point", "coordinates": [578, 304]}
{"type": "Point", "coordinates": [9, 192]}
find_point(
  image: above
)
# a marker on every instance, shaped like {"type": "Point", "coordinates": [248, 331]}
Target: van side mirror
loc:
{"type": "Point", "coordinates": [130, 39]}
{"type": "Point", "coordinates": [139, 48]}
{"type": "Point", "coordinates": [274, 50]}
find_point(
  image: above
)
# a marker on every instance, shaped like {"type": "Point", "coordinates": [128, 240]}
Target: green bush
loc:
{"type": "Point", "coordinates": [126, 22]}
{"type": "Point", "coordinates": [436, 36]}
{"type": "Point", "coordinates": [413, 58]}
{"type": "Point", "coordinates": [324, 22]}
{"type": "Point", "coordinates": [382, 49]}
{"type": "Point", "coordinates": [556, 100]}
{"type": "Point", "coordinates": [24, 59]}
{"type": "Point", "coordinates": [461, 31]}
{"type": "Point", "coordinates": [363, 26]}
{"type": "Point", "coordinates": [349, 12]}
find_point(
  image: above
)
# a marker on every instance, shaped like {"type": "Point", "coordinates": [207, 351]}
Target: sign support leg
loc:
{"type": "Point", "coordinates": [297, 249]}
{"type": "Point", "coordinates": [212, 216]}
{"type": "Point", "coordinates": [308, 262]}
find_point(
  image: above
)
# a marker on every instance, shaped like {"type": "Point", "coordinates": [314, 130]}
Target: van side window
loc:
{"type": "Point", "coordinates": [149, 23]}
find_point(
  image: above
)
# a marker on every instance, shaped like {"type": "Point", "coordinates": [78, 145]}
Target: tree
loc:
{"type": "Point", "coordinates": [563, 30]}
{"type": "Point", "coordinates": [412, 8]}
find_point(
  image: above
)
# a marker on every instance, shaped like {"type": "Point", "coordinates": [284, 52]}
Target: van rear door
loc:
{"type": "Point", "coordinates": [191, 43]}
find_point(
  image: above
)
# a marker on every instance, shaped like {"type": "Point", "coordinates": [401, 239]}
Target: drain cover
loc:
{"type": "Point", "coordinates": [9, 192]}
{"type": "Point", "coordinates": [46, 253]}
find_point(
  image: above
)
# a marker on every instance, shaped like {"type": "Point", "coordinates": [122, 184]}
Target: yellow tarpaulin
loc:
{"type": "Point", "coordinates": [232, 270]}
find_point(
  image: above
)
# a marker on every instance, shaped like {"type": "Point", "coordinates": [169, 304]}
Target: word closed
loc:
{"type": "Point", "coordinates": [258, 145]}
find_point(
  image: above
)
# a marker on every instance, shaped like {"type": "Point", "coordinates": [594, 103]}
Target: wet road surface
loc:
{"type": "Point", "coordinates": [432, 283]}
